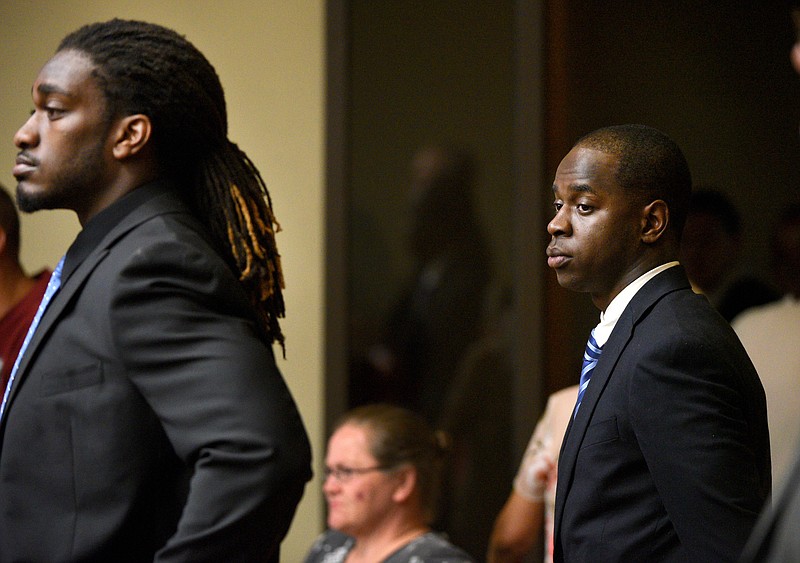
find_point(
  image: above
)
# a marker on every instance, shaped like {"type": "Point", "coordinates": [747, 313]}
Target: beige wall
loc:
{"type": "Point", "coordinates": [269, 55]}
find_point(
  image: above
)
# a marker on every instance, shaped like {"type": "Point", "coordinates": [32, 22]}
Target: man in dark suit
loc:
{"type": "Point", "coordinates": [146, 419]}
{"type": "Point", "coordinates": [667, 455]}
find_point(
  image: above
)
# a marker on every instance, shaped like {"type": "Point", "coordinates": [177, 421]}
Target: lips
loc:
{"type": "Point", "coordinates": [556, 258]}
{"type": "Point", "coordinates": [24, 165]}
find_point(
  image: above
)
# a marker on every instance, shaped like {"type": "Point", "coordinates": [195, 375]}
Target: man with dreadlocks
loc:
{"type": "Point", "coordinates": [146, 419]}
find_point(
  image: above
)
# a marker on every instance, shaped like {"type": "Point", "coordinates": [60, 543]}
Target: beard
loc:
{"type": "Point", "coordinates": [73, 186]}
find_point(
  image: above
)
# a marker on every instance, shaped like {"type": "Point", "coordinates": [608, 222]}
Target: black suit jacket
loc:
{"type": "Point", "coordinates": [668, 457]}
{"type": "Point", "coordinates": [148, 420]}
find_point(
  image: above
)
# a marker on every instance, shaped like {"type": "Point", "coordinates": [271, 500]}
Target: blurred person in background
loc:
{"type": "Point", "coordinates": [775, 538]}
{"type": "Point", "coordinates": [20, 293]}
{"type": "Point", "coordinates": [771, 336]}
{"type": "Point", "coordinates": [711, 249]}
{"type": "Point", "coordinates": [529, 509]}
{"type": "Point", "coordinates": [382, 477]}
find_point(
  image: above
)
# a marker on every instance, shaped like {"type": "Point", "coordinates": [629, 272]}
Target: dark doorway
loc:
{"type": "Point", "coordinates": [436, 230]}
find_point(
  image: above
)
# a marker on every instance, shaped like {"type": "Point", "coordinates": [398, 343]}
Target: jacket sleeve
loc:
{"type": "Point", "coordinates": [184, 330]}
{"type": "Point", "coordinates": [698, 412]}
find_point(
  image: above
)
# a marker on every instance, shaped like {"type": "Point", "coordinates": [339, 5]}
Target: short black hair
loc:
{"type": "Point", "coordinates": [651, 166]}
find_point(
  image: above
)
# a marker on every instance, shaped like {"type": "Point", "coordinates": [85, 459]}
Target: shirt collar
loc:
{"type": "Point", "coordinates": [104, 221]}
{"type": "Point", "coordinates": [609, 317]}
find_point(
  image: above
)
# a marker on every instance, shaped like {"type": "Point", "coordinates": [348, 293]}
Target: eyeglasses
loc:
{"type": "Point", "coordinates": [343, 474]}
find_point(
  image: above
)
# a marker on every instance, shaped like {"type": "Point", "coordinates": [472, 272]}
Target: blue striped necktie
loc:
{"type": "Point", "coordinates": [590, 357]}
{"type": "Point", "coordinates": [52, 287]}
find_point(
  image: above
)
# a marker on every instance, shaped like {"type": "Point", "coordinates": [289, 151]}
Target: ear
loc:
{"type": "Point", "coordinates": [655, 220]}
{"type": "Point", "coordinates": [3, 240]}
{"type": "Point", "coordinates": [131, 135]}
{"type": "Point", "coordinates": [406, 483]}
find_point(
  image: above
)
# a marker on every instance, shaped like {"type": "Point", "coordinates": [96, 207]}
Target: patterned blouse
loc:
{"type": "Point", "coordinates": [333, 547]}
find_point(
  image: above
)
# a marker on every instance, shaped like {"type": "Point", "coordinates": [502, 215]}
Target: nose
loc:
{"type": "Point", "coordinates": [559, 224]}
{"type": "Point", "coordinates": [329, 484]}
{"type": "Point", "coordinates": [26, 135]}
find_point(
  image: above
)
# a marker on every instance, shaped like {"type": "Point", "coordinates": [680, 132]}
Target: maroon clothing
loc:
{"type": "Point", "coordinates": [14, 326]}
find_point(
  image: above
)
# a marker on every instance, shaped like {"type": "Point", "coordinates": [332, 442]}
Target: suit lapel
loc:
{"type": "Point", "coordinates": [53, 312]}
{"type": "Point", "coordinates": [74, 280]}
{"type": "Point", "coordinates": [580, 423]}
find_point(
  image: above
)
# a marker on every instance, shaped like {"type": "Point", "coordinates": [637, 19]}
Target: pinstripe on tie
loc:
{"type": "Point", "coordinates": [52, 287]}
{"type": "Point", "coordinates": [590, 357]}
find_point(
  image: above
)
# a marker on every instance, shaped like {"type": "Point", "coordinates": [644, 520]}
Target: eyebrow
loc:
{"type": "Point", "coordinates": [45, 89]}
{"type": "Point", "coordinates": [584, 188]}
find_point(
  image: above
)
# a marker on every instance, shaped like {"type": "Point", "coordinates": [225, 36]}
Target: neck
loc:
{"type": "Point", "coordinates": [128, 179]}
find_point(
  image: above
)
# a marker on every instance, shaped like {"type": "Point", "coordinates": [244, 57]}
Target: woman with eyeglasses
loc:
{"type": "Point", "coordinates": [382, 472]}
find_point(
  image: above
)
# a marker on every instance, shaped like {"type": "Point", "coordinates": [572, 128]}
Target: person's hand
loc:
{"type": "Point", "coordinates": [538, 470]}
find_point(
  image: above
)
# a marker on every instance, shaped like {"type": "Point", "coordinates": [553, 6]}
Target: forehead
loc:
{"type": "Point", "coordinates": [585, 168]}
{"type": "Point", "coordinates": [349, 441]}
{"type": "Point", "coordinates": [69, 73]}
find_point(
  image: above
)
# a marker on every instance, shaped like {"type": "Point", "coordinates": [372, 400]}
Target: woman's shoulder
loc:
{"type": "Point", "coordinates": [330, 547]}
{"type": "Point", "coordinates": [430, 548]}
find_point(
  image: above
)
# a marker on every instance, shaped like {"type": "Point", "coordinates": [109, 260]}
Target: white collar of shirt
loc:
{"type": "Point", "coordinates": [609, 317]}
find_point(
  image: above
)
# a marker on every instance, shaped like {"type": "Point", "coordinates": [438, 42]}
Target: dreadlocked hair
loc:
{"type": "Point", "coordinates": [148, 69]}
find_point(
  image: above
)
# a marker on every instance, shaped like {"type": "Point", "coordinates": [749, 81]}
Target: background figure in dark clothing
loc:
{"type": "Point", "coordinates": [770, 334]}
{"type": "Point", "coordinates": [775, 538]}
{"type": "Point", "coordinates": [420, 359]}
{"type": "Point", "coordinates": [438, 315]}
{"type": "Point", "coordinates": [477, 417]}
{"type": "Point", "coordinates": [710, 252]}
